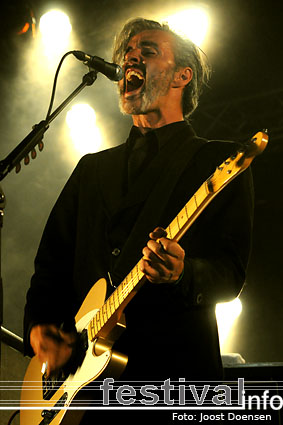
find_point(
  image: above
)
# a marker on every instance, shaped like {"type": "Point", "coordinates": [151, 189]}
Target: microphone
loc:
{"type": "Point", "coordinates": [110, 70]}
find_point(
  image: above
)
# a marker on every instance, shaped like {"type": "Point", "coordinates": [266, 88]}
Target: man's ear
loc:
{"type": "Point", "coordinates": [182, 77]}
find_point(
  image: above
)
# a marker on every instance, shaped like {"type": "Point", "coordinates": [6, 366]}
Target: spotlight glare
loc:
{"type": "Point", "coordinates": [192, 23]}
{"type": "Point", "coordinates": [55, 29]}
{"type": "Point", "coordinates": [226, 315]}
{"type": "Point", "coordinates": [86, 136]}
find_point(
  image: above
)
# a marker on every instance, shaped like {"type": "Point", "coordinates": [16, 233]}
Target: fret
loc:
{"type": "Point", "coordinates": [131, 284]}
{"type": "Point", "coordinates": [138, 272]}
{"type": "Point", "coordinates": [90, 333]}
{"type": "Point", "coordinates": [95, 326]}
{"type": "Point", "coordinates": [126, 288]}
{"type": "Point", "coordinates": [191, 206]}
{"type": "Point", "coordinates": [116, 299]}
{"type": "Point", "coordinates": [104, 312]}
{"type": "Point", "coordinates": [119, 294]}
{"type": "Point", "coordinates": [174, 226]}
{"type": "Point", "coordinates": [178, 223]}
{"type": "Point", "coordinates": [195, 199]}
{"type": "Point", "coordinates": [91, 329]}
{"type": "Point", "coordinates": [134, 278]}
{"type": "Point", "coordinates": [169, 231]}
{"type": "Point", "coordinates": [186, 211]}
{"type": "Point", "coordinates": [111, 304]}
{"type": "Point", "coordinates": [108, 308]}
{"type": "Point", "coordinates": [101, 312]}
{"type": "Point", "coordinates": [98, 319]}
{"type": "Point", "coordinates": [91, 324]}
{"type": "Point", "coordinates": [204, 192]}
{"type": "Point", "coordinates": [181, 217]}
{"type": "Point", "coordinates": [207, 183]}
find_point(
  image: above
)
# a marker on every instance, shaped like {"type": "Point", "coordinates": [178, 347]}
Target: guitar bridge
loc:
{"type": "Point", "coordinates": [48, 415]}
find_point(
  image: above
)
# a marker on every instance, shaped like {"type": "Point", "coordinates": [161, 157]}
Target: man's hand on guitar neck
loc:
{"type": "Point", "coordinates": [52, 345]}
{"type": "Point", "coordinates": [163, 259]}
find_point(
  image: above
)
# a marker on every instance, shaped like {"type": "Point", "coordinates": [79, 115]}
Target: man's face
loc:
{"type": "Point", "coordinates": [149, 67]}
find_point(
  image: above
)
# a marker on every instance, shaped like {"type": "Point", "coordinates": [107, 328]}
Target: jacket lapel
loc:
{"type": "Point", "coordinates": [112, 177]}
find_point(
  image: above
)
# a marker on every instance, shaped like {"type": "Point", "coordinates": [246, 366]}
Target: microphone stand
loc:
{"type": "Point", "coordinates": [22, 151]}
{"type": "Point", "coordinates": [2, 206]}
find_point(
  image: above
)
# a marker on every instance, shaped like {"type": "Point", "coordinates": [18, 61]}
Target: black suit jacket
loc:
{"type": "Point", "coordinates": [171, 329]}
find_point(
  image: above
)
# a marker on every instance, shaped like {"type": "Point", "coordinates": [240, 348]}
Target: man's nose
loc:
{"type": "Point", "coordinates": [133, 56]}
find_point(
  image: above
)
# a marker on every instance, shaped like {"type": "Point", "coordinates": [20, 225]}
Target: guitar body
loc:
{"type": "Point", "coordinates": [99, 357]}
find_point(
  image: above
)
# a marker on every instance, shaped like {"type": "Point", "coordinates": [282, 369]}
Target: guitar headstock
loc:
{"type": "Point", "coordinates": [238, 162]}
{"type": "Point", "coordinates": [255, 145]}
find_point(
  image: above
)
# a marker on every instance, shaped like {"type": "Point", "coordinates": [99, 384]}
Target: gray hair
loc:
{"type": "Point", "coordinates": [186, 53]}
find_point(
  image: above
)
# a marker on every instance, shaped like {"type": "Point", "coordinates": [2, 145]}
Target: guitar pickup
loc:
{"type": "Point", "coordinates": [51, 384]}
{"type": "Point", "coordinates": [49, 415]}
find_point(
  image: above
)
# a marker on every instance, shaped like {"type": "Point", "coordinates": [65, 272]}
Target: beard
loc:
{"type": "Point", "coordinates": [144, 101]}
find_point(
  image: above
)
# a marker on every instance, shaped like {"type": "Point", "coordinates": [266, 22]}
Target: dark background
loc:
{"type": "Point", "coordinates": [243, 97]}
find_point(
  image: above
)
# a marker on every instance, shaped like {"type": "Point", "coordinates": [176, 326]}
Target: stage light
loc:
{"type": "Point", "coordinates": [192, 23]}
{"type": "Point", "coordinates": [226, 315]}
{"type": "Point", "coordinates": [84, 132]}
{"type": "Point", "coordinates": [55, 29]}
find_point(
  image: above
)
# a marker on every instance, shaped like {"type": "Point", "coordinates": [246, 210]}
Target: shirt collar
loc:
{"type": "Point", "coordinates": [161, 134]}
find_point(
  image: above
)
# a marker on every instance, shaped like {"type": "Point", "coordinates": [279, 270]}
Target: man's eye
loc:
{"type": "Point", "coordinates": [149, 52]}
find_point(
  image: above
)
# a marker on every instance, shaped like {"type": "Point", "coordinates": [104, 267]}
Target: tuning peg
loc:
{"type": "Point", "coordinates": [40, 145]}
{"type": "Point", "coordinates": [33, 154]}
{"type": "Point", "coordinates": [26, 160]}
{"type": "Point", "coordinates": [18, 168]}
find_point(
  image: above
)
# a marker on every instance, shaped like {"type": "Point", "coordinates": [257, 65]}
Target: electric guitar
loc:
{"type": "Point", "coordinates": [50, 401]}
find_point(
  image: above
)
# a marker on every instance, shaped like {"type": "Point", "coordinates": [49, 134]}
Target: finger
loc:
{"type": "Point", "coordinates": [165, 250]}
{"type": "Point", "coordinates": [152, 254]}
{"type": "Point", "coordinates": [166, 264]}
{"type": "Point", "coordinates": [159, 232]}
{"type": "Point", "coordinates": [59, 336]}
{"type": "Point", "coordinates": [46, 358]}
{"type": "Point", "coordinates": [56, 358]}
{"type": "Point", "coordinates": [54, 337]}
{"type": "Point", "coordinates": [152, 272]}
{"type": "Point", "coordinates": [171, 248]}
{"type": "Point", "coordinates": [159, 272]}
{"type": "Point", "coordinates": [68, 337]}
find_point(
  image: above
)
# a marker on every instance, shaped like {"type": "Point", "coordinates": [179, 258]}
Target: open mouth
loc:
{"type": "Point", "coordinates": [134, 80]}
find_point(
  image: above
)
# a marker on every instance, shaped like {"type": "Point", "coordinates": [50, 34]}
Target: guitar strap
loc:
{"type": "Point", "coordinates": [149, 217]}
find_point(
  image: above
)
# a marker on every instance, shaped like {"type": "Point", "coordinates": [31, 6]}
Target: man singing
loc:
{"type": "Point", "coordinates": [113, 212]}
